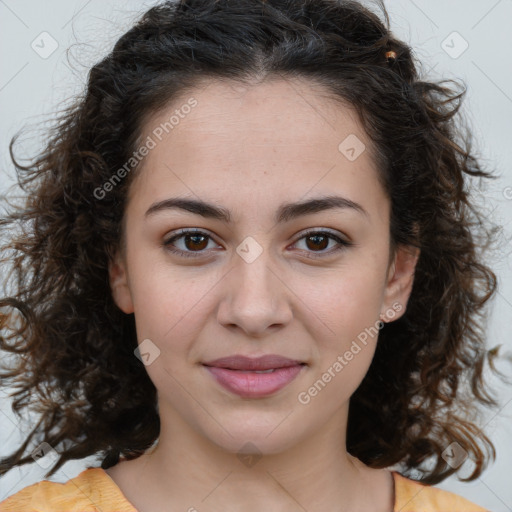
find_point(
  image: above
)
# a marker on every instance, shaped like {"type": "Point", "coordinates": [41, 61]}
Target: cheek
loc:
{"type": "Point", "coordinates": [346, 315]}
{"type": "Point", "coordinates": [169, 302]}
{"type": "Point", "coordinates": [344, 300]}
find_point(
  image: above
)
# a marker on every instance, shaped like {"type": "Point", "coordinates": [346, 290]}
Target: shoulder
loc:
{"type": "Point", "coordinates": [91, 491]}
{"type": "Point", "coordinates": [412, 496]}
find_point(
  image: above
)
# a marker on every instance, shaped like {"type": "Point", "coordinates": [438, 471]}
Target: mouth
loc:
{"type": "Point", "coordinates": [254, 377]}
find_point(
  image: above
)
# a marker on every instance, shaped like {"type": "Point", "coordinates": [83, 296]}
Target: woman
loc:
{"type": "Point", "coordinates": [249, 277]}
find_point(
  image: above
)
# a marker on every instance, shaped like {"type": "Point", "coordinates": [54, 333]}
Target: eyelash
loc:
{"type": "Point", "coordinates": [343, 244]}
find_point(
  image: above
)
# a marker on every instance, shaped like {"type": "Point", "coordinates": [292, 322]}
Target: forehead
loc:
{"type": "Point", "coordinates": [292, 112]}
{"type": "Point", "coordinates": [258, 139]}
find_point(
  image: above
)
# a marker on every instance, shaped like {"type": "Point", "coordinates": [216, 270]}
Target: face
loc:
{"type": "Point", "coordinates": [260, 274]}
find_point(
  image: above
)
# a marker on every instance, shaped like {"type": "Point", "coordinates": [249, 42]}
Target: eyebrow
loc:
{"type": "Point", "coordinates": [285, 212]}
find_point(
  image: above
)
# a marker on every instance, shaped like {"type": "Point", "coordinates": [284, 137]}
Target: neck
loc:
{"type": "Point", "coordinates": [187, 471]}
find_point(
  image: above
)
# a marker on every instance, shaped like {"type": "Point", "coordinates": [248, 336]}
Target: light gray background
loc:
{"type": "Point", "coordinates": [32, 87]}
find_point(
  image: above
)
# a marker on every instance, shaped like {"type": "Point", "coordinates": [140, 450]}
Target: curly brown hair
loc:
{"type": "Point", "coordinates": [72, 348]}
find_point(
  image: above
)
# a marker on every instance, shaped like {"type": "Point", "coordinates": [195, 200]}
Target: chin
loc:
{"type": "Point", "coordinates": [254, 435]}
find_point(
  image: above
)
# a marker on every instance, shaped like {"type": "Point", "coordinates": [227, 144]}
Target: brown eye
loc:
{"type": "Point", "coordinates": [197, 242]}
{"type": "Point", "coordinates": [192, 242]}
{"type": "Point", "coordinates": [318, 241]}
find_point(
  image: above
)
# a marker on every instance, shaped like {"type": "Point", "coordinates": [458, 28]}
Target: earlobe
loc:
{"type": "Point", "coordinates": [119, 284]}
{"type": "Point", "coordinates": [400, 280]}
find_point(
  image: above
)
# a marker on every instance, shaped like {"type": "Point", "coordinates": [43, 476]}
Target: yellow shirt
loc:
{"type": "Point", "coordinates": [94, 491]}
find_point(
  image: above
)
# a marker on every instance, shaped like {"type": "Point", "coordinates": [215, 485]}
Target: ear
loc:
{"type": "Point", "coordinates": [399, 282]}
{"type": "Point", "coordinates": [119, 284]}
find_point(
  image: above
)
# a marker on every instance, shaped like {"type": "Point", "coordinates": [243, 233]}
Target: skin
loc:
{"type": "Point", "coordinates": [249, 149]}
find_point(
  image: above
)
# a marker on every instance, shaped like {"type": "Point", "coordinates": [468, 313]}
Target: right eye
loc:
{"type": "Point", "coordinates": [193, 240]}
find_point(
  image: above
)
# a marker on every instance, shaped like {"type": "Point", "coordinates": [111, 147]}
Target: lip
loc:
{"type": "Point", "coordinates": [266, 362]}
{"type": "Point", "coordinates": [238, 374]}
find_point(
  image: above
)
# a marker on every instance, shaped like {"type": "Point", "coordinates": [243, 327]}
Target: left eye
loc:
{"type": "Point", "coordinates": [320, 240]}
{"type": "Point", "coordinates": [196, 241]}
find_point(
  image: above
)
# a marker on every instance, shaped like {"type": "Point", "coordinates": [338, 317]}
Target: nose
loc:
{"type": "Point", "coordinates": [255, 297]}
